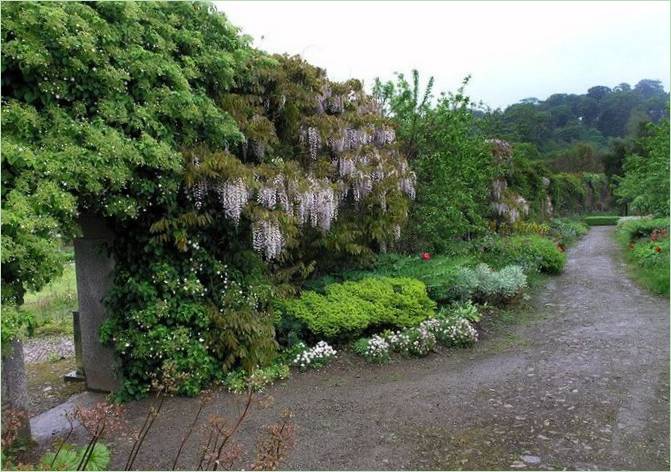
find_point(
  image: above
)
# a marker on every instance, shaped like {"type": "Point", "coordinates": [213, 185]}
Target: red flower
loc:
{"type": "Point", "coordinates": [426, 256]}
{"type": "Point", "coordinates": [658, 249]}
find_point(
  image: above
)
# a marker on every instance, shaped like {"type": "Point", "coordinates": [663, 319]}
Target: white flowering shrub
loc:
{"type": "Point", "coordinates": [315, 357]}
{"type": "Point", "coordinates": [418, 341]}
{"type": "Point", "coordinates": [376, 349]}
{"type": "Point", "coordinates": [452, 331]}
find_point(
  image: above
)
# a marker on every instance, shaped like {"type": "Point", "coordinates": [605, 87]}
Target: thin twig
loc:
{"type": "Point", "coordinates": [237, 425]}
{"type": "Point", "coordinates": [187, 435]}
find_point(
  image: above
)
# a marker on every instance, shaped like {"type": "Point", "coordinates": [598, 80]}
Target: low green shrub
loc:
{"type": "Point", "coordinates": [567, 231]}
{"type": "Point", "coordinates": [347, 309]}
{"type": "Point", "coordinates": [486, 285]}
{"type": "Point", "coordinates": [631, 229]}
{"type": "Point", "coordinates": [466, 310]}
{"type": "Point", "coordinates": [646, 242]}
{"type": "Point", "coordinates": [239, 380]}
{"type": "Point", "coordinates": [602, 220]}
{"type": "Point", "coordinates": [532, 253]}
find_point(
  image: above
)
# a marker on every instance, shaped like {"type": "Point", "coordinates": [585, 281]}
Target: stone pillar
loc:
{"type": "Point", "coordinates": [14, 391]}
{"type": "Point", "coordinates": [94, 267]}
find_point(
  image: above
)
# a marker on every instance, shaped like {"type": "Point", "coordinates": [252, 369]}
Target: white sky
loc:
{"type": "Point", "coordinates": [513, 50]}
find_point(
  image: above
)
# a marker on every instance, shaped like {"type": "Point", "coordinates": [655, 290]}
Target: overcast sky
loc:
{"type": "Point", "coordinates": [512, 50]}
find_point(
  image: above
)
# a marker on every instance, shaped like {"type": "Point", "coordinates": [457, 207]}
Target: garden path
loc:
{"type": "Point", "coordinates": [582, 383]}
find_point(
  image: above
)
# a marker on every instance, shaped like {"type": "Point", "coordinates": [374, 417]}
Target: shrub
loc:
{"type": "Point", "coordinates": [315, 357]}
{"type": "Point", "coordinates": [466, 310]}
{"type": "Point", "coordinates": [526, 227]}
{"type": "Point", "coordinates": [239, 380]}
{"type": "Point", "coordinates": [453, 331]}
{"type": "Point", "coordinates": [602, 220]}
{"type": "Point", "coordinates": [566, 231]}
{"type": "Point", "coordinates": [375, 349]}
{"type": "Point", "coordinates": [645, 185]}
{"type": "Point", "coordinates": [632, 229]}
{"type": "Point", "coordinates": [484, 284]}
{"type": "Point", "coordinates": [347, 309]}
{"type": "Point", "coordinates": [532, 253]}
{"type": "Point", "coordinates": [647, 249]}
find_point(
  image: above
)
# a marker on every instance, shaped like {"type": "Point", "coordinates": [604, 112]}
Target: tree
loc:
{"type": "Point", "coordinates": [645, 185]}
{"type": "Point", "coordinates": [453, 163]}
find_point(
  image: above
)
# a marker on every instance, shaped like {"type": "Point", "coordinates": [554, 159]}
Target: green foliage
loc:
{"type": "Point", "coordinates": [348, 309]}
{"type": "Point", "coordinates": [14, 321]}
{"type": "Point", "coordinates": [375, 350]}
{"type": "Point", "coordinates": [645, 185]}
{"type": "Point", "coordinates": [240, 381]}
{"type": "Point", "coordinates": [452, 161]}
{"type": "Point", "coordinates": [646, 245]}
{"type": "Point", "coordinates": [629, 230]}
{"type": "Point", "coordinates": [466, 310]}
{"type": "Point", "coordinates": [70, 456]}
{"type": "Point", "coordinates": [532, 253]}
{"type": "Point", "coordinates": [485, 285]}
{"type": "Point", "coordinates": [145, 114]}
{"type": "Point", "coordinates": [51, 307]}
{"type": "Point", "coordinates": [188, 316]}
{"type": "Point", "coordinates": [601, 220]}
{"type": "Point", "coordinates": [567, 231]}
{"type": "Point", "coordinates": [563, 120]}
{"type": "Point", "coordinates": [97, 97]}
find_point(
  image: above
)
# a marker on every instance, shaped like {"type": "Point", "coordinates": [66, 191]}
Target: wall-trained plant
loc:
{"type": "Point", "coordinates": [226, 174]}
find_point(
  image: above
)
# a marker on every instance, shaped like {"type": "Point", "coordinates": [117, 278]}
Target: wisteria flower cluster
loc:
{"type": "Point", "coordinates": [375, 349]}
{"type": "Point", "coordinates": [315, 357]}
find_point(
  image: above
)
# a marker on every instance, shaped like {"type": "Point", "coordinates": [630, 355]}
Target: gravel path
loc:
{"type": "Point", "coordinates": [582, 385]}
{"type": "Point", "coordinates": [45, 348]}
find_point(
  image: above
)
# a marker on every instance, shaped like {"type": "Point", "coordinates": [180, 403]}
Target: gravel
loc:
{"type": "Point", "coordinates": [583, 384]}
{"type": "Point", "coordinates": [36, 350]}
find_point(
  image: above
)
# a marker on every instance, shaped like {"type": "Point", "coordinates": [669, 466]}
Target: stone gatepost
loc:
{"type": "Point", "coordinates": [94, 267]}
{"type": "Point", "coordinates": [14, 391]}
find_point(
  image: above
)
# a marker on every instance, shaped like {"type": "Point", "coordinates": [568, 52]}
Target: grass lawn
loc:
{"type": "Point", "coordinates": [52, 306]}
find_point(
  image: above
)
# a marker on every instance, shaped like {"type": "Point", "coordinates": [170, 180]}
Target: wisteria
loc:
{"type": "Point", "coordinates": [501, 150]}
{"type": "Point", "coordinates": [498, 187]}
{"type": "Point", "coordinates": [273, 193]}
{"type": "Point", "coordinates": [397, 232]}
{"type": "Point", "coordinates": [233, 196]}
{"type": "Point", "coordinates": [383, 136]}
{"type": "Point", "coordinates": [407, 184]}
{"type": "Point", "coordinates": [346, 166]}
{"type": "Point", "coordinates": [361, 186]}
{"type": "Point", "coordinates": [314, 141]}
{"type": "Point", "coordinates": [267, 238]}
{"type": "Point", "coordinates": [318, 205]}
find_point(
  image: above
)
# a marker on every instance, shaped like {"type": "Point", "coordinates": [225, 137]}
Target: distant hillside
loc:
{"type": "Point", "coordinates": [560, 122]}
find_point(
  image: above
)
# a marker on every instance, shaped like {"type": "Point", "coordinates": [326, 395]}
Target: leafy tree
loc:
{"type": "Point", "coordinates": [452, 161]}
{"type": "Point", "coordinates": [645, 185]}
